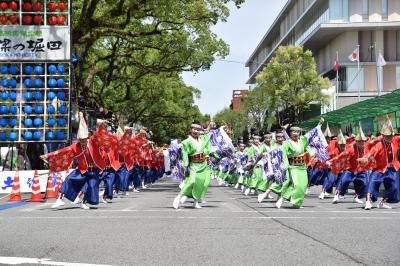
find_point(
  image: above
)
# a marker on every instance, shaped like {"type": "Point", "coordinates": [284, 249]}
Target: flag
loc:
{"type": "Point", "coordinates": [336, 64]}
{"type": "Point", "coordinates": [381, 61]}
{"type": "Point", "coordinates": [354, 55]}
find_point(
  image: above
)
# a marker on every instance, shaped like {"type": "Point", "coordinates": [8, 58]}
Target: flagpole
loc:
{"type": "Point", "coordinates": [337, 82]}
{"type": "Point", "coordinates": [358, 72]}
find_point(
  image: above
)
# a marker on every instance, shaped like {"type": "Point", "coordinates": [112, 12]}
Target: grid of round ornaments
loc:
{"type": "Point", "coordinates": [42, 94]}
{"type": "Point", "coordinates": [9, 107]}
{"type": "Point", "coordinates": [34, 12]}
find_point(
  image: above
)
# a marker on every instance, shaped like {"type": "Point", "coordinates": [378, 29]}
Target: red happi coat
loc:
{"type": "Point", "coordinates": [333, 151]}
{"type": "Point", "coordinates": [61, 160]}
{"type": "Point", "coordinates": [347, 160]}
{"type": "Point", "coordinates": [111, 158]}
{"type": "Point", "coordinates": [381, 153]}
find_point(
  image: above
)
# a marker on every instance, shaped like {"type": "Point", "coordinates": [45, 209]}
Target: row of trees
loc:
{"type": "Point", "coordinates": [131, 54]}
{"type": "Point", "coordinates": [286, 88]}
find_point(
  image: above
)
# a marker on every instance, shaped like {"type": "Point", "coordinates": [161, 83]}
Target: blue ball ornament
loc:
{"type": "Point", "coordinates": [28, 83]}
{"type": "Point", "coordinates": [63, 109]}
{"type": "Point", "coordinates": [4, 70]}
{"type": "Point", "coordinates": [13, 122]}
{"type": "Point", "coordinates": [51, 109]}
{"type": "Point", "coordinates": [37, 122]}
{"type": "Point", "coordinates": [3, 122]}
{"type": "Point", "coordinates": [28, 70]}
{"type": "Point", "coordinates": [60, 135]}
{"type": "Point", "coordinates": [28, 95]}
{"type": "Point", "coordinates": [51, 95]}
{"type": "Point", "coordinates": [12, 83]}
{"type": "Point", "coordinates": [38, 95]}
{"type": "Point", "coordinates": [52, 83]}
{"type": "Point", "coordinates": [61, 122]}
{"type": "Point", "coordinates": [13, 109]}
{"type": "Point", "coordinates": [28, 122]}
{"type": "Point", "coordinates": [38, 70]}
{"type": "Point", "coordinates": [39, 109]}
{"type": "Point", "coordinates": [3, 136]}
{"type": "Point", "coordinates": [27, 109]}
{"type": "Point", "coordinates": [4, 83]}
{"type": "Point", "coordinates": [52, 69]}
{"type": "Point", "coordinates": [61, 95]}
{"type": "Point", "coordinates": [38, 83]}
{"type": "Point", "coordinates": [13, 136]}
{"type": "Point", "coordinates": [50, 135]}
{"type": "Point", "coordinates": [61, 69]}
{"type": "Point", "coordinates": [51, 122]}
{"type": "Point", "coordinates": [13, 70]}
{"type": "Point", "coordinates": [27, 135]}
{"type": "Point", "coordinates": [60, 83]}
{"type": "Point", "coordinates": [13, 96]}
{"type": "Point", "coordinates": [4, 95]}
{"type": "Point", "coordinates": [37, 135]}
{"type": "Point", "coordinates": [3, 109]}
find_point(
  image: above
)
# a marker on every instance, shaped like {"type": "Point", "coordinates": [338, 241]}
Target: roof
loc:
{"type": "Point", "coordinates": [369, 108]}
{"type": "Point", "coordinates": [271, 28]}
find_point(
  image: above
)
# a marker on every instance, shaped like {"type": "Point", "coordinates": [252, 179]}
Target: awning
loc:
{"type": "Point", "coordinates": [377, 106]}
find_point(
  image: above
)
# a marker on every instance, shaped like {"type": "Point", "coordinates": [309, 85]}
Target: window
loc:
{"type": "Point", "coordinates": [365, 9]}
{"type": "Point", "coordinates": [354, 79]}
{"type": "Point", "coordinates": [384, 9]}
{"type": "Point", "coordinates": [398, 76]}
{"type": "Point", "coordinates": [339, 10]}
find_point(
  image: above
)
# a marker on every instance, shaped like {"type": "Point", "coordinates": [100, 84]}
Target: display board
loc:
{"type": "Point", "coordinates": [35, 71]}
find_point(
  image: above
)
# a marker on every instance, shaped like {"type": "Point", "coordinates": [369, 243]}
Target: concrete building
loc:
{"type": "Point", "coordinates": [329, 26]}
{"type": "Point", "coordinates": [236, 102]}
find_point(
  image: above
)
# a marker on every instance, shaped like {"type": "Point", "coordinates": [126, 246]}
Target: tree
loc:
{"type": "Point", "coordinates": [256, 104]}
{"type": "Point", "coordinates": [131, 53]}
{"type": "Point", "coordinates": [291, 82]}
{"type": "Point", "coordinates": [237, 121]}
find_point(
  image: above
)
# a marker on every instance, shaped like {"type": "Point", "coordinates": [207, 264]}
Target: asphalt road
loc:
{"type": "Point", "coordinates": [230, 229]}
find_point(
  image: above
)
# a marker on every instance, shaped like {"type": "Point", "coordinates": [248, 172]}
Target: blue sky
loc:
{"type": "Point", "coordinates": [243, 31]}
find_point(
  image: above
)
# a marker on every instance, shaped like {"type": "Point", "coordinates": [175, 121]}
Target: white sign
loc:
{"type": "Point", "coordinates": [26, 179]}
{"type": "Point", "coordinates": [34, 43]}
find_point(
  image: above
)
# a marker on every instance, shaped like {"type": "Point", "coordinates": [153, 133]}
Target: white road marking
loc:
{"type": "Point", "coordinates": [21, 260]}
{"type": "Point", "coordinates": [5, 196]}
{"type": "Point", "coordinates": [198, 217]}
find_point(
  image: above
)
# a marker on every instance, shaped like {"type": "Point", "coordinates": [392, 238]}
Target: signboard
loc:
{"type": "Point", "coordinates": [34, 43]}
{"type": "Point", "coordinates": [26, 179]}
{"type": "Point", "coordinates": [35, 73]}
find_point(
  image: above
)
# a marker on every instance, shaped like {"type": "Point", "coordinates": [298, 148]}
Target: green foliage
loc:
{"type": "Point", "coordinates": [237, 121]}
{"type": "Point", "coordinates": [292, 83]}
{"type": "Point", "coordinates": [256, 103]}
{"type": "Point", "coordinates": [132, 51]}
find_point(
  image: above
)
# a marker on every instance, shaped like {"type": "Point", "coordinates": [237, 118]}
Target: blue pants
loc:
{"type": "Point", "coordinates": [390, 182]}
{"type": "Point", "coordinates": [88, 183]}
{"type": "Point", "coordinates": [311, 176]}
{"type": "Point", "coordinates": [360, 181]}
{"type": "Point", "coordinates": [123, 179]}
{"type": "Point", "coordinates": [137, 176]}
{"type": "Point", "coordinates": [108, 177]}
{"type": "Point", "coordinates": [324, 177]}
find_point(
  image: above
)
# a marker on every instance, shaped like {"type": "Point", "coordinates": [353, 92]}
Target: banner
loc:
{"type": "Point", "coordinates": [34, 43]}
{"type": "Point", "coordinates": [26, 179]}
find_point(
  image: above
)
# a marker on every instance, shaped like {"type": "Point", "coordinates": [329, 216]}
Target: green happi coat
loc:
{"type": "Point", "coordinates": [295, 185]}
{"type": "Point", "coordinates": [256, 176]}
{"type": "Point", "coordinates": [196, 184]}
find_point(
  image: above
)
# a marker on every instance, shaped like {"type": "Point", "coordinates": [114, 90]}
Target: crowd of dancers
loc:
{"type": "Point", "coordinates": [283, 164]}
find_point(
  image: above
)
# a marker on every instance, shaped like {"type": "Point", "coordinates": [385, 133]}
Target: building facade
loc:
{"type": "Point", "coordinates": [236, 102]}
{"type": "Point", "coordinates": [327, 27]}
